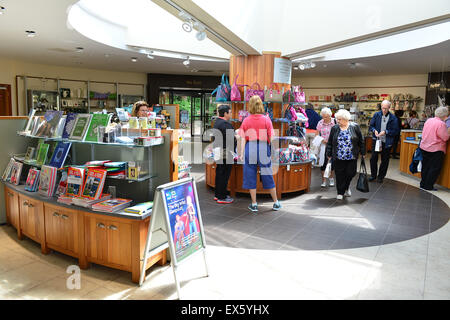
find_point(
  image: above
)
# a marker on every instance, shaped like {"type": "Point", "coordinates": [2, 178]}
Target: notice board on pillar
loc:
{"type": "Point", "coordinates": [184, 219]}
{"type": "Point", "coordinates": [282, 70]}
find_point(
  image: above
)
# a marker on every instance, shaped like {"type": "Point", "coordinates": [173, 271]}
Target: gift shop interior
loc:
{"type": "Point", "coordinates": [106, 105]}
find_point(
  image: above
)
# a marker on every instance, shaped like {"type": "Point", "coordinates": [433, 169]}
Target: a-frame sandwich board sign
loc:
{"type": "Point", "coordinates": [176, 223]}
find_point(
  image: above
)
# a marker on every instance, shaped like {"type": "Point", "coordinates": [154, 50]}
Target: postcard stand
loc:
{"type": "Point", "coordinates": [172, 198]}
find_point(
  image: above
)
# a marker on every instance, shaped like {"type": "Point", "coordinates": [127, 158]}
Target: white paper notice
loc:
{"type": "Point", "coordinates": [282, 70]}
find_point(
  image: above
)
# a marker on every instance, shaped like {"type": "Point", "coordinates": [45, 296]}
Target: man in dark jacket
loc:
{"type": "Point", "coordinates": [224, 141]}
{"type": "Point", "coordinates": [384, 127]}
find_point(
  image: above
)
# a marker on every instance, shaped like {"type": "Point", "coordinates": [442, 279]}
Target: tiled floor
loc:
{"type": "Point", "coordinates": [392, 243]}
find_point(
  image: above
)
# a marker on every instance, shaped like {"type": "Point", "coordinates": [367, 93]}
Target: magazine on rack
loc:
{"type": "Point", "coordinates": [93, 186]}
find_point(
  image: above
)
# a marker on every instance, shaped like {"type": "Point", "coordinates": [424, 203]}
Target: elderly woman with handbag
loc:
{"type": "Point", "coordinates": [345, 143]}
{"type": "Point", "coordinates": [256, 134]}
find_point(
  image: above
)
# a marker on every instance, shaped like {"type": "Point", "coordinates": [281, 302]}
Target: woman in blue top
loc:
{"type": "Point", "coordinates": [345, 143]}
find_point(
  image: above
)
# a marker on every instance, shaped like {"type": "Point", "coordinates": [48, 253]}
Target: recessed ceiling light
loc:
{"type": "Point", "coordinates": [313, 65]}
{"type": "Point", "coordinates": [79, 49]}
{"type": "Point", "coordinates": [30, 33]}
{"type": "Point", "coordinates": [187, 62]}
{"type": "Point", "coordinates": [133, 59]}
{"type": "Point", "coordinates": [150, 56]}
{"type": "Point", "coordinates": [352, 65]}
{"type": "Point", "coordinates": [301, 66]}
{"type": "Point", "coordinates": [107, 55]}
{"type": "Point", "coordinates": [2, 10]}
{"type": "Point", "coordinates": [295, 68]}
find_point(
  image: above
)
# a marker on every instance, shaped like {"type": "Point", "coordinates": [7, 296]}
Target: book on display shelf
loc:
{"type": "Point", "coordinates": [75, 179]}
{"type": "Point", "coordinates": [42, 153]}
{"type": "Point", "coordinates": [93, 186]}
{"type": "Point", "coordinates": [49, 124]}
{"type": "Point", "coordinates": [32, 182]}
{"type": "Point", "coordinates": [60, 154]}
{"type": "Point", "coordinates": [97, 120]}
{"type": "Point", "coordinates": [80, 127]}
{"type": "Point", "coordinates": [30, 153]}
{"type": "Point", "coordinates": [7, 173]}
{"type": "Point", "coordinates": [141, 208]}
{"type": "Point", "coordinates": [62, 184]}
{"type": "Point", "coordinates": [68, 125]}
{"type": "Point", "coordinates": [60, 128]}
{"type": "Point", "coordinates": [88, 203]}
{"type": "Point", "coordinates": [37, 121]}
{"type": "Point", "coordinates": [47, 181]}
{"type": "Point", "coordinates": [16, 171]}
{"type": "Point", "coordinates": [29, 125]}
{"type": "Point", "coordinates": [112, 205]}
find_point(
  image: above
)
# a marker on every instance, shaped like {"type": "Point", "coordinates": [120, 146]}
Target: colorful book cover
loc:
{"type": "Point", "coordinates": [29, 125]}
{"type": "Point", "coordinates": [75, 179]}
{"type": "Point", "coordinates": [96, 163]}
{"type": "Point", "coordinates": [68, 126]}
{"type": "Point", "coordinates": [37, 121]}
{"type": "Point", "coordinates": [47, 181]}
{"type": "Point", "coordinates": [32, 179]}
{"type": "Point", "coordinates": [80, 127]}
{"type": "Point", "coordinates": [98, 120]}
{"type": "Point", "coordinates": [30, 153]}
{"type": "Point", "coordinates": [62, 185]}
{"type": "Point", "coordinates": [93, 186]}
{"type": "Point", "coordinates": [42, 153]}
{"type": "Point", "coordinates": [50, 123]}
{"type": "Point", "coordinates": [111, 204]}
{"type": "Point", "coordinates": [16, 172]}
{"type": "Point", "coordinates": [7, 173]}
{"type": "Point", "coordinates": [115, 164]}
{"type": "Point", "coordinates": [60, 154]}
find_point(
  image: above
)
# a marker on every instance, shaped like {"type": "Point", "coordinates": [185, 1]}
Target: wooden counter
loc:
{"type": "Point", "coordinates": [113, 241]}
{"type": "Point", "coordinates": [406, 153]}
{"type": "Point", "coordinates": [288, 178]}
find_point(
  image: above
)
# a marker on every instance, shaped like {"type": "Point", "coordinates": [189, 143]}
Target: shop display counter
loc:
{"type": "Point", "coordinates": [291, 177]}
{"type": "Point", "coordinates": [406, 153]}
{"type": "Point", "coordinates": [115, 240]}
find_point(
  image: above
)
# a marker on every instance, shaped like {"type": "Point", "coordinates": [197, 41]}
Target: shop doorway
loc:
{"type": "Point", "coordinates": [5, 100]}
{"type": "Point", "coordinates": [196, 109]}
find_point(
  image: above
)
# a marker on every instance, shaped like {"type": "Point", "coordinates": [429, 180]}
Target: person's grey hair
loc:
{"type": "Point", "coordinates": [343, 114]}
{"type": "Point", "coordinates": [326, 110]}
{"type": "Point", "coordinates": [386, 102]}
{"type": "Point", "coordinates": [441, 112]}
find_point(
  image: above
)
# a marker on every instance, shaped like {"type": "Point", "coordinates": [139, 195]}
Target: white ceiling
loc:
{"type": "Point", "coordinates": [55, 44]}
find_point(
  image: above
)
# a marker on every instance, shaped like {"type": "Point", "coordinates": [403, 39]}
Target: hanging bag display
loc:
{"type": "Point", "coordinates": [235, 93]}
{"type": "Point", "coordinates": [223, 90]}
{"type": "Point", "coordinates": [363, 183]}
{"type": "Point", "coordinates": [273, 94]}
{"type": "Point", "coordinates": [299, 95]}
{"type": "Point", "coordinates": [288, 97]}
{"type": "Point", "coordinates": [254, 92]}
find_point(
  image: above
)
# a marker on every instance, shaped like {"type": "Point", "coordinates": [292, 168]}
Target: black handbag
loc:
{"type": "Point", "coordinates": [363, 182]}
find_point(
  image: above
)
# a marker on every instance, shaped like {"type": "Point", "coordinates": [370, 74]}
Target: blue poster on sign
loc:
{"type": "Point", "coordinates": [183, 219]}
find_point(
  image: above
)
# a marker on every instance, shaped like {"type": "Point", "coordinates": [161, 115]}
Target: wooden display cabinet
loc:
{"type": "Point", "coordinates": [12, 208]}
{"type": "Point", "coordinates": [32, 219]}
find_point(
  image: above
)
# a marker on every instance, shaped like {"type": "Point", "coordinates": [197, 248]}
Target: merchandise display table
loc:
{"type": "Point", "coordinates": [291, 177]}
{"type": "Point", "coordinates": [115, 240]}
{"type": "Point", "coordinates": [407, 150]}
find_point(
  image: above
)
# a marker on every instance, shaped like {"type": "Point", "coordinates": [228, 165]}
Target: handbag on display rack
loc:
{"type": "Point", "coordinates": [363, 183]}
{"type": "Point", "coordinates": [290, 114]}
{"type": "Point", "coordinates": [273, 94]}
{"type": "Point", "coordinates": [223, 90]}
{"type": "Point", "coordinates": [254, 92]}
{"type": "Point", "coordinates": [235, 93]}
{"type": "Point", "coordinates": [269, 111]}
{"type": "Point", "coordinates": [299, 94]}
{"type": "Point", "coordinates": [288, 96]}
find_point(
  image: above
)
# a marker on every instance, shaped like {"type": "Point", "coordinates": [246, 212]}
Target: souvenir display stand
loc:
{"type": "Point", "coordinates": [289, 177]}
{"type": "Point", "coordinates": [116, 240]}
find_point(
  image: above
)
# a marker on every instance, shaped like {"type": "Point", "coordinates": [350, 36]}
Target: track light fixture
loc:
{"type": "Point", "coordinates": [30, 33]}
{"type": "Point", "coordinates": [189, 24]}
{"type": "Point", "coordinates": [306, 65]}
{"type": "Point", "coordinates": [133, 59]}
{"type": "Point", "coordinates": [2, 10]}
{"type": "Point", "coordinates": [187, 62]}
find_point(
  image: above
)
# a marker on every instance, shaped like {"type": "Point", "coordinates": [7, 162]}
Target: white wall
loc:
{"type": "Point", "coordinates": [9, 68]}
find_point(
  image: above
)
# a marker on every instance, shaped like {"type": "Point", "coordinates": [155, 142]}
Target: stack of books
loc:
{"type": "Point", "coordinates": [32, 182]}
{"type": "Point", "coordinates": [88, 203]}
{"type": "Point", "coordinates": [141, 208]}
{"type": "Point", "coordinates": [112, 205]}
{"type": "Point", "coordinates": [116, 169]}
{"type": "Point", "coordinates": [65, 199]}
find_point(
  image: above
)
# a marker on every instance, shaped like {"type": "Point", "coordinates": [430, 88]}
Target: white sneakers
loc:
{"type": "Point", "coordinates": [348, 193]}
{"type": "Point", "coordinates": [324, 183]}
{"type": "Point", "coordinates": [340, 197]}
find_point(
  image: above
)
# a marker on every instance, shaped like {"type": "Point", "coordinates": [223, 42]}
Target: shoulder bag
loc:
{"type": "Point", "coordinates": [363, 183]}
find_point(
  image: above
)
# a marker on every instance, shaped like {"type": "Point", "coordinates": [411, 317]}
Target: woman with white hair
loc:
{"type": "Point", "coordinates": [323, 129]}
{"type": "Point", "coordinates": [433, 147]}
{"type": "Point", "coordinates": [345, 143]}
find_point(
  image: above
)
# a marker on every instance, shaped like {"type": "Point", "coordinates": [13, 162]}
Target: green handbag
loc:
{"type": "Point", "coordinates": [288, 96]}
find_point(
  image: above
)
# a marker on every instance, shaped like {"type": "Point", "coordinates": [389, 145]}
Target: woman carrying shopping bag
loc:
{"type": "Point", "coordinates": [344, 145]}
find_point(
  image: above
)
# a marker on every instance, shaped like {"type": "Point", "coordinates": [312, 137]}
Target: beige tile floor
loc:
{"type": "Point", "coordinates": [413, 269]}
